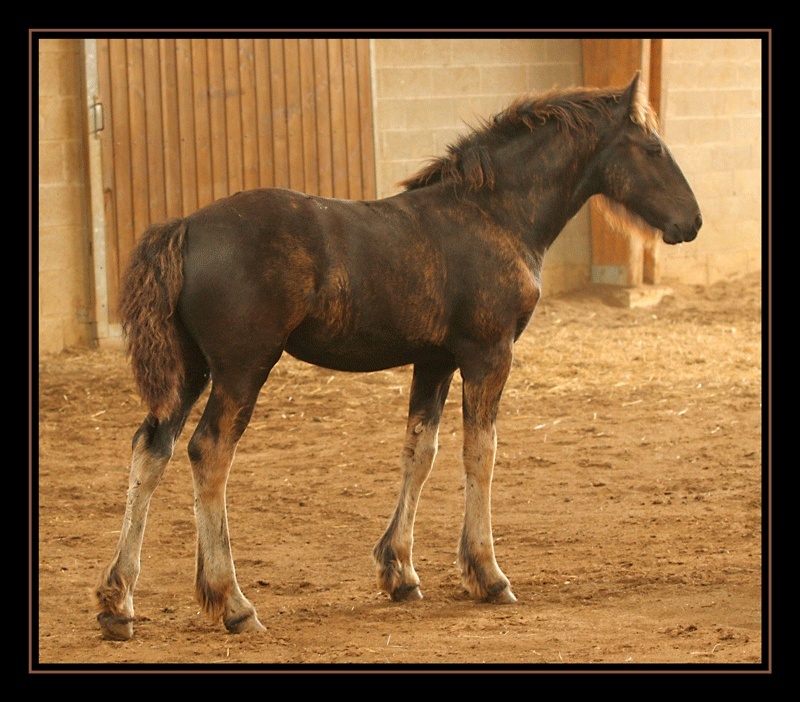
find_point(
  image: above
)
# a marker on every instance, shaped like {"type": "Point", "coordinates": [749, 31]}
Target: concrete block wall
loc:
{"type": "Point", "coordinates": [712, 116]}
{"type": "Point", "coordinates": [63, 207]}
{"type": "Point", "coordinates": [428, 92]}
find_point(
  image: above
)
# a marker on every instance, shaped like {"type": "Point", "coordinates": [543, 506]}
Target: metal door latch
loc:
{"type": "Point", "coordinates": [96, 117]}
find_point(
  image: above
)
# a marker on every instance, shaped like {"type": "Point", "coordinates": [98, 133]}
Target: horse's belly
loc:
{"type": "Point", "coordinates": [356, 353]}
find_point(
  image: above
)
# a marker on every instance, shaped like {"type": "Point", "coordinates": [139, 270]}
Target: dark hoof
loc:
{"type": "Point", "coordinates": [247, 624]}
{"type": "Point", "coordinates": [115, 627]}
{"type": "Point", "coordinates": [406, 593]}
{"type": "Point", "coordinates": [502, 596]}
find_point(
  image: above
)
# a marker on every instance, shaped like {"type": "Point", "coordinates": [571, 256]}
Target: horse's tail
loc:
{"type": "Point", "coordinates": [148, 298]}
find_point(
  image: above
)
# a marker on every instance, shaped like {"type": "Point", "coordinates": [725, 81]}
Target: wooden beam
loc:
{"type": "Point", "coordinates": [651, 266]}
{"type": "Point", "coordinates": [616, 259]}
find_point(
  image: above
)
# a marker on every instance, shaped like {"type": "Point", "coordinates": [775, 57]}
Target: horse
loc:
{"type": "Point", "coordinates": [443, 276]}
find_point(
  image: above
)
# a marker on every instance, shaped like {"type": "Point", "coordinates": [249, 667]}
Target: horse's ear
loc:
{"type": "Point", "coordinates": [629, 97]}
{"type": "Point", "coordinates": [635, 105]}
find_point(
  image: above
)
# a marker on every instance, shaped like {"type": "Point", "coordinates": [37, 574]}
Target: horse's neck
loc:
{"type": "Point", "coordinates": [538, 214]}
{"type": "Point", "coordinates": [538, 206]}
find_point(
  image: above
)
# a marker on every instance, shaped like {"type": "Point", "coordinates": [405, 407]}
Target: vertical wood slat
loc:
{"type": "Point", "coordinates": [202, 112]}
{"type": "Point", "coordinates": [187, 155]}
{"type": "Point", "coordinates": [191, 120]}
{"type": "Point", "coordinates": [308, 116]}
{"type": "Point", "coordinates": [121, 140]}
{"type": "Point", "coordinates": [108, 185]}
{"type": "Point", "coordinates": [138, 136]}
{"type": "Point", "coordinates": [366, 143]}
{"type": "Point", "coordinates": [338, 123]}
{"type": "Point", "coordinates": [353, 126]}
{"type": "Point", "coordinates": [266, 157]}
{"type": "Point", "coordinates": [173, 186]}
{"type": "Point", "coordinates": [233, 115]}
{"type": "Point", "coordinates": [216, 103]}
{"type": "Point", "coordinates": [323, 126]}
{"type": "Point", "coordinates": [154, 132]}
{"type": "Point", "coordinates": [249, 114]}
{"type": "Point", "coordinates": [280, 138]}
{"type": "Point", "coordinates": [294, 124]}
{"type": "Point", "coordinates": [123, 194]}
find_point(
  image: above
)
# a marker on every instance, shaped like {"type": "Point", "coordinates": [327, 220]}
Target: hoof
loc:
{"type": "Point", "coordinates": [248, 624]}
{"type": "Point", "coordinates": [406, 593]}
{"type": "Point", "coordinates": [503, 596]}
{"type": "Point", "coordinates": [115, 627]}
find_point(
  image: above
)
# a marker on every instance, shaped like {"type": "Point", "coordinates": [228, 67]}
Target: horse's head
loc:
{"type": "Point", "coordinates": [637, 170]}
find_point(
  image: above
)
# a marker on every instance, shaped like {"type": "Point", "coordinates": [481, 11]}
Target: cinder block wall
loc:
{"type": "Point", "coordinates": [64, 263]}
{"type": "Point", "coordinates": [712, 123]}
{"type": "Point", "coordinates": [428, 92]}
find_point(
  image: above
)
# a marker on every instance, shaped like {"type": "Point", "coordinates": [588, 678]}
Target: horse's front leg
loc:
{"type": "Point", "coordinates": [484, 376]}
{"type": "Point", "coordinates": [392, 554]}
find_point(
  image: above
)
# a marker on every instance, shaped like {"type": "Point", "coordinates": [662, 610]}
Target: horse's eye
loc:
{"type": "Point", "coordinates": [655, 149]}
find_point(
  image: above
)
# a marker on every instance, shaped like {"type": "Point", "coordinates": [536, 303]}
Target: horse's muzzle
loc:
{"type": "Point", "coordinates": [676, 234]}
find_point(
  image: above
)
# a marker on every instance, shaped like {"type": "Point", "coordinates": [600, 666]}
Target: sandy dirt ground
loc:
{"type": "Point", "coordinates": [627, 506]}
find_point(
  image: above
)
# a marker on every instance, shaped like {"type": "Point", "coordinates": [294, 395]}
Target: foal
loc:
{"type": "Point", "coordinates": [444, 276]}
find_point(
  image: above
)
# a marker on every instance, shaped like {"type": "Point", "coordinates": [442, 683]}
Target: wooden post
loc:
{"type": "Point", "coordinates": [652, 258]}
{"type": "Point", "coordinates": [616, 259]}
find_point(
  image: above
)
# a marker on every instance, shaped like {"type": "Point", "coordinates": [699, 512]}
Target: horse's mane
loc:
{"type": "Point", "coordinates": [575, 110]}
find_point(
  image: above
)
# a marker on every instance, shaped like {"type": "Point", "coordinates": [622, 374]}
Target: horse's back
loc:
{"type": "Point", "coordinates": [346, 284]}
{"type": "Point", "coordinates": [351, 285]}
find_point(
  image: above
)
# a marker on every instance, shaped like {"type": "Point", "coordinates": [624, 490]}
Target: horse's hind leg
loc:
{"type": "Point", "coordinates": [392, 554]}
{"type": "Point", "coordinates": [484, 375]}
{"type": "Point", "coordinates": [211, 450]}
{"type": "Point", "coordinates": [153, 445]}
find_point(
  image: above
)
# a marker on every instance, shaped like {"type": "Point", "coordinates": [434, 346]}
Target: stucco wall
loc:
{"type": "Point", "coordinates": [428, 92]}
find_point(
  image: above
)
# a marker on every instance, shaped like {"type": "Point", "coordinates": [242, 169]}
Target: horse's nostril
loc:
{"type": "Point", "coordinates": [698, 221]}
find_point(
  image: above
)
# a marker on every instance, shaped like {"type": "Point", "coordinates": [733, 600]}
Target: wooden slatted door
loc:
{"type": "Point", "coordinates": [188, 121]}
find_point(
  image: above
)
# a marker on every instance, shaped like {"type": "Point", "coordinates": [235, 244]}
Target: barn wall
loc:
{"type": "Point", "coordinates": [64, 226]}
{"type": "Point", "coordinates": [425, 92]}
{"type": "Point", "coordinates": [428, 92]}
